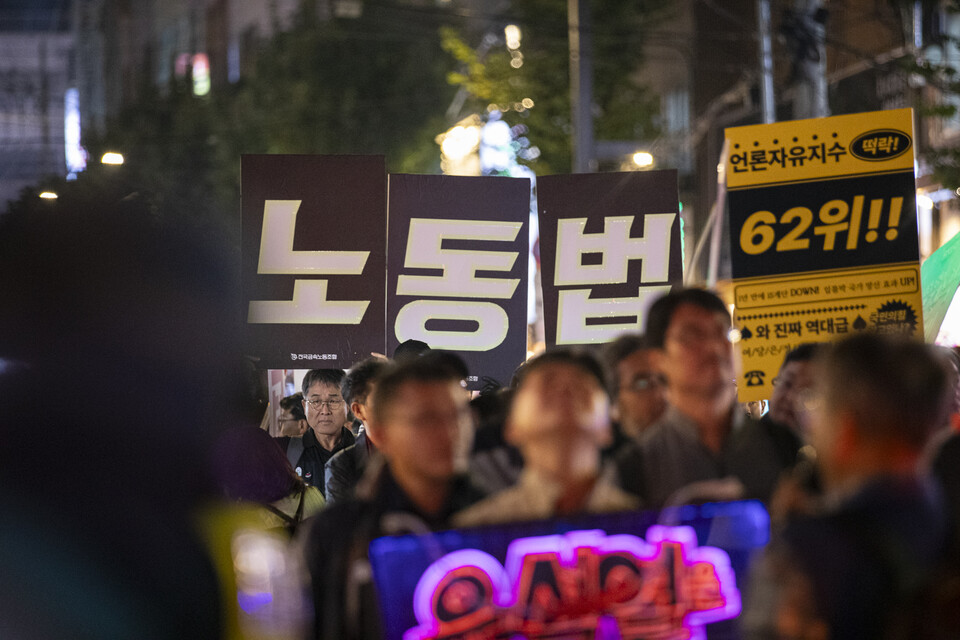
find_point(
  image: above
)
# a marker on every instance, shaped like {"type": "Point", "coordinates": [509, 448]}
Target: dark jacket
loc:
{"type": "Point", "coordinates": [867, 559]}
{"type": "Point", "coordinates": [336, 544]}
{"type": "Point", "coordinates": [314, 457]}
{"type": "Point", "coordinates": [345, 468]}
{"type": "Point", "coordinates": [670, 456]}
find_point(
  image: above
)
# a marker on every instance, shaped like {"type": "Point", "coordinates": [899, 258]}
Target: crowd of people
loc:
{"type": "Point", "coordinates": [101, 495]}
{"type": "Point", "coordinates": [852, 458]}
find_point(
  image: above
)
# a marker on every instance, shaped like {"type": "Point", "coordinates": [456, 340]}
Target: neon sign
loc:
{"type": "Point", "coordinates": [582, 584]}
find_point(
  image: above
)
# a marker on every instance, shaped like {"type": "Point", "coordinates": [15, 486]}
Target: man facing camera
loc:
{"type": "Point", "coordinates": [704, 447]}
{"type": "Point", "coordinates": [326, 416]}
{"type": "Point", "coordinates": [423, 429]}
{"type": "Point", "coordinates": [559, 420]}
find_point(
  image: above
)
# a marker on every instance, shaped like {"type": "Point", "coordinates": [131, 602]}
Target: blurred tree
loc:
{"type": "Point", "coordinates": [935, 80]}
{"type": "Point", "coordinates": [538, 72]}
{"type": "Point", "coordinates": [373, 84]}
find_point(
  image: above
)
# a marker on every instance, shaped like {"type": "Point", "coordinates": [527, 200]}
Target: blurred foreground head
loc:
{"type": "Point", "coordinates": [560, 401]}
{"type": "Point", "coordinates": [876, 402]}
{"type": "Point", "coordinates": [123, 327]}
{"type": "Point", "coordinates": [689, 330]}
{"type": "Point", "coordinates": [118, 365]}
{"type": "Point", "coordinates": [422, 421]}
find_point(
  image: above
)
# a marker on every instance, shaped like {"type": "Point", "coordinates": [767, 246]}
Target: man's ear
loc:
{"type": "Point", "coordinates": [303, 426]}
{"type": "Point", "coordinates": [359, 411]}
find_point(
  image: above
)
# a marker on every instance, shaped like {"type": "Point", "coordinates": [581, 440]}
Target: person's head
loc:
{"type": "Point", "coordinates": [876, 402]}
{"type": "Point", "coordinates": [448, 361]}
{"type": "Point", "coordinates": [357, 388]}
{"type": "Point", "coordinates": [755, 408]}
{"type": "Point", "coordinates": [637, 390]}
{"type": "Point", "coordinates": [422, 422]}
{"type": "Point", "coordinates": [322, 403]}
{"type": "Point", "coordinates": [409, 350]}
{"type": "Point", "coordinates": [690, 328]}
{"type": "Point", "coordinates": [560, 400]}
{"type": "Point", "coordinates": [794, 378]}
{"type": "Point", "coordinates": [951, 355]}
{"type": "Point", "coordinates": [293, 421]}
{"type": "Point", "coordinates": [250, 466]}
{"type": "Point", "coordinates": [119, 293]}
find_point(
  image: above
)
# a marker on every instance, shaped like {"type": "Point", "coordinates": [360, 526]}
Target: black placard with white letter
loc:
{"type": "Point", "coordinates": [609, 246]}
{"type": "Point", "coordinates": [313, 259]}
{"type": "Point", "coordinates": [457, 268]}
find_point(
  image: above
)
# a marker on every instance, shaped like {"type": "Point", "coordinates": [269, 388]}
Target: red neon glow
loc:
{"type": "Point", "coordinates": [582, 583]}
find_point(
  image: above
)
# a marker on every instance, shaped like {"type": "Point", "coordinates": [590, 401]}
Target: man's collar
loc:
{"type": "Point", "coordinates": [688, 426]}
{"type": "Point", "coordinates": [345, 440]}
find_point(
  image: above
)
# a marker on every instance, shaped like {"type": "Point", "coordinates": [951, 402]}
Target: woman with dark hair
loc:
{"type": "Point", "coordinates": [250, 467]}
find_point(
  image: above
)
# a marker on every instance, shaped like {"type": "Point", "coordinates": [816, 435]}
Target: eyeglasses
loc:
{"type": "Point", "coordinates": [644, 383]}
{"type": "Point", "coordinates": [331, 404]}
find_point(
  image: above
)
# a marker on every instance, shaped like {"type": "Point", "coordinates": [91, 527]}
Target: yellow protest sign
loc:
{"type": "Point", "coordinates": [824, 235]}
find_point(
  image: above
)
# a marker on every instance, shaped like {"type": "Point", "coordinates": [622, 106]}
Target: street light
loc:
{"type": "Point", "coordinates": [643, 159]}
{"type": "Point", "coordinates": [112, 157]}
{"type": "Point", "coordinates": [48, 195]}
{"type": "Point", "coordinates": [458, 147]}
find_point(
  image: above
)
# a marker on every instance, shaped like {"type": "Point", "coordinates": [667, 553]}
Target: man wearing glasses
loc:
{"type": "Point", "coordinates": [326, 414]}
{"type": "Point", "coordinates": [637, 391]}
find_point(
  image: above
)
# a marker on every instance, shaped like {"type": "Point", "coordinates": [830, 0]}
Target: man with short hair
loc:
{"type": "Point", "coordinates": [786, 421]}
{"type": "Point", "coordinates": [293, 424]}
{"type": "Point", "coordinates": [422, 422]}
{"type": "Point", "coordinates": [704, 446]}
{"type": "Point", "coordinates": [344, 469]}
{"type": "Point", "coordinates": [293, 421]}
{"type": "Point", "coordinates": [637, 391]}
{"type": "Point", "coordinates": [559, 420]}
{"type": "Point", "coordinates": [326, 415]}
{"type": "Point", "coordinates": [857, 565]}
{"type": "Point", "coordinates": [794, 378]}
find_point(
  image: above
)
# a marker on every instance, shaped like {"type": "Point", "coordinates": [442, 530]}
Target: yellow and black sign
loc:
{"type": "Point", "coordinates": [823, 228]}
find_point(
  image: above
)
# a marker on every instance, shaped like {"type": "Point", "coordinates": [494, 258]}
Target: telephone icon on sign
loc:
{"type": "Point", "coordinates": [754, 378]}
